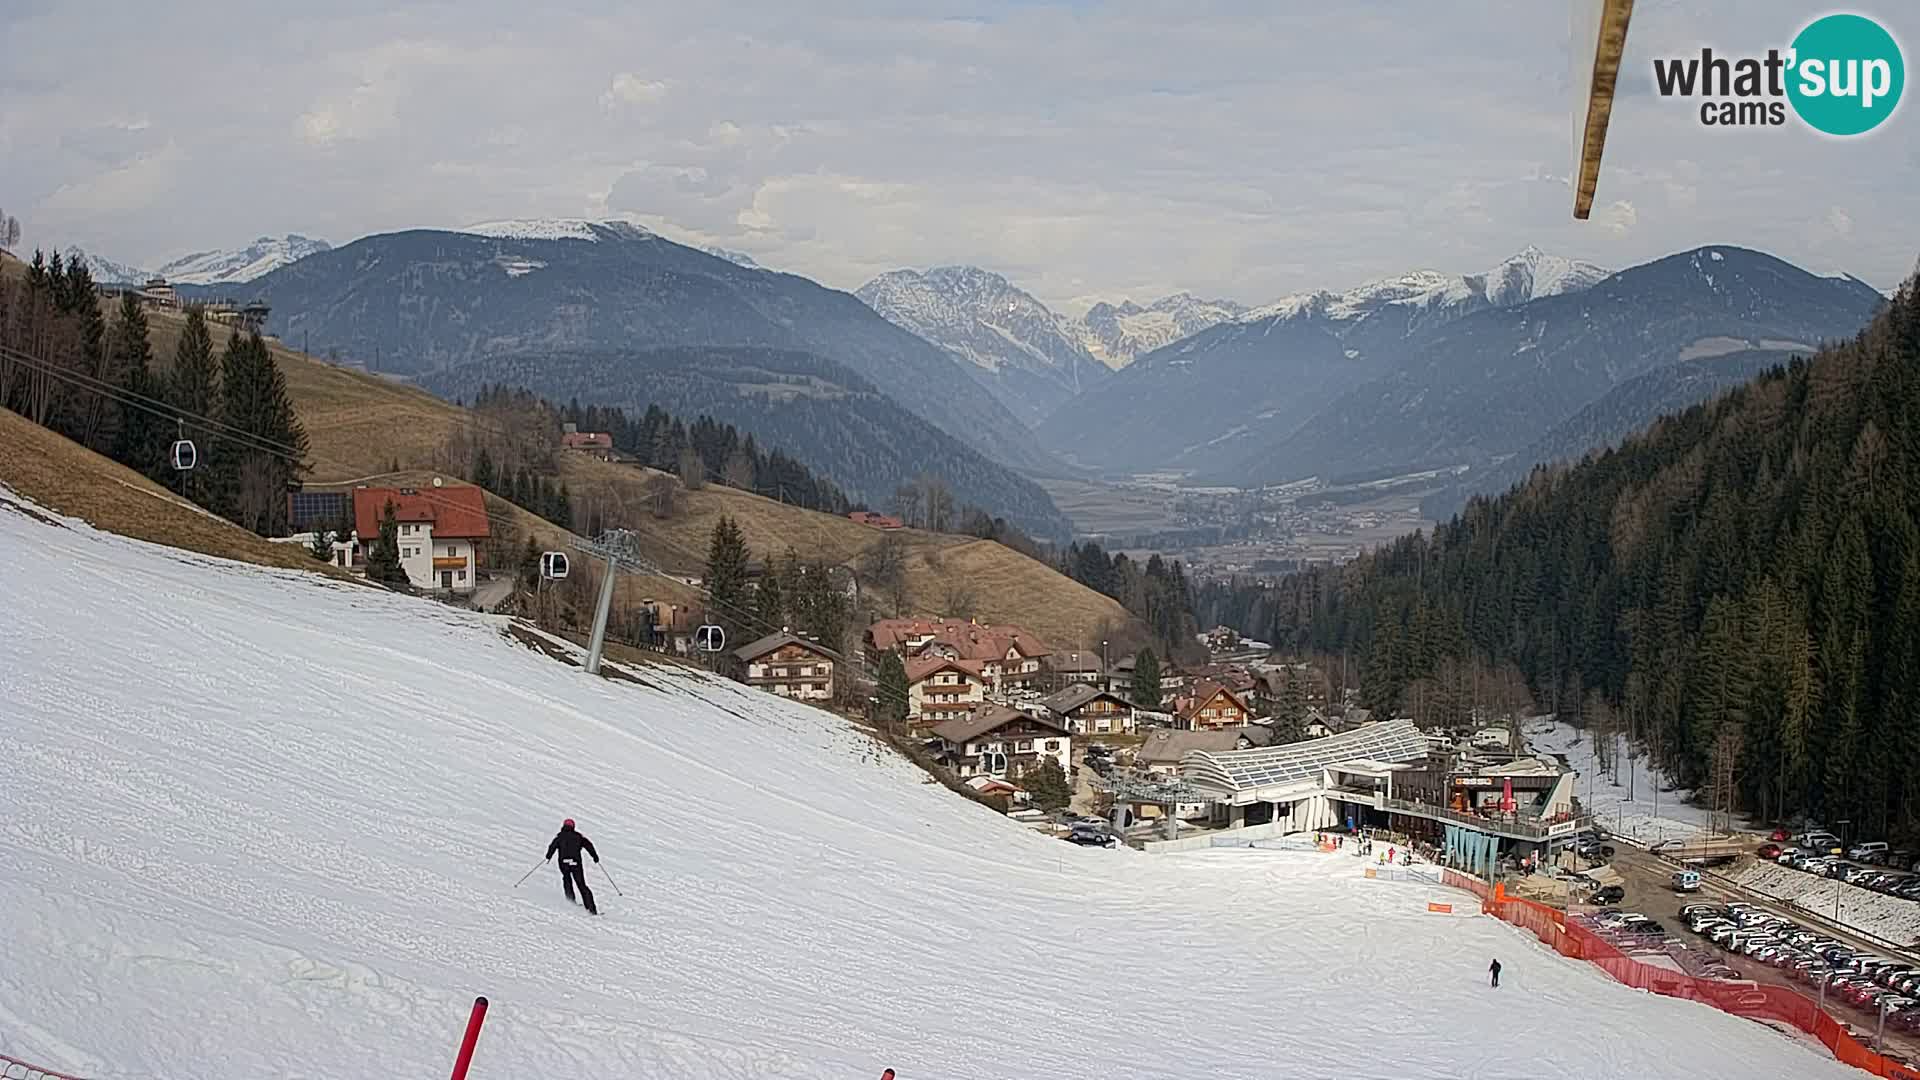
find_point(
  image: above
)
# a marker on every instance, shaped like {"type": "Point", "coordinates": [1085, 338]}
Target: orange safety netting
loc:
{"type": "Point", "coordinates": [1743, 998]}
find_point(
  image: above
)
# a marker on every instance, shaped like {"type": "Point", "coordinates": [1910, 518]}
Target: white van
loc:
{"type": "Point", "coordinates": [1871, 851]}
{"type": "Point", "coordinates": [1686, 881]}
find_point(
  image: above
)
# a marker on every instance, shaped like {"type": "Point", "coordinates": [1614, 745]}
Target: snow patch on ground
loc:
{"type": "Point", "coordinates": [259, 825]}
{"type": "Point", "coordinates": [536, 229]}
{"type": "Point", "coordinates": [1625, 808]}
{"type": "Point", "coordinates": [1883, 916]}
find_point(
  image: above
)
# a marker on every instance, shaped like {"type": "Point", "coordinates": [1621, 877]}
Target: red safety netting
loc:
{"type": "Point", "coordinates": [15, 1069]}
{"type": "Point", "coordinates": [1749, 999]}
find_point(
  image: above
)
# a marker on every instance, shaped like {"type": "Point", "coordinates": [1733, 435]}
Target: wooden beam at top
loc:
{"type": "Point", "coordinates": [1606, 70]}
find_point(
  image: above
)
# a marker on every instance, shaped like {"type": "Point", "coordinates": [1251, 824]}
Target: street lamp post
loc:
{"type": "Point", "coordinates": [1105, 675]}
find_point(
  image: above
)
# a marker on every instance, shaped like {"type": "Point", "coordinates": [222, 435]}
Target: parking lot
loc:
{"type": "Point", "coordinates": [1853, 994]}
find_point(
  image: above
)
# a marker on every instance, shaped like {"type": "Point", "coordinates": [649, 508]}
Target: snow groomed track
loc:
{"type": "Point", "coordinates": [253, 824]}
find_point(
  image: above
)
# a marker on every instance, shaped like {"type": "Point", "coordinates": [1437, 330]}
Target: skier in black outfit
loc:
{"type": "Point", "coordinates": [569, 844]}
{"type": "Point", "coordinates": [1494, 968]}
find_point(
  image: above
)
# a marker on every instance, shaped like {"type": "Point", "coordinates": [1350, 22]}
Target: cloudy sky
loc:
{"type": "Point", "coordinates": [1087, 150]}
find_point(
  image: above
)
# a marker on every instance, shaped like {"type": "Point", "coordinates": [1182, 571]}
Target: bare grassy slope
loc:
{"type": "Point", "coordinates": [358, 425]}
{"type": "Point", "coordinates": [62, 475]}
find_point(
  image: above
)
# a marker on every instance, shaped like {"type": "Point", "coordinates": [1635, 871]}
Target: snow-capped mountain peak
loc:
{"type": "Point", "coordinates": [557, 229]}
{"type": "Point", "coordinates": [1116, 333]}
{"type": "Point", "coordinates": [1015, 344]}
{"type": "Point", "coordinates": [235, 265]}
{"type": "Point", "coordinates": [224, 266]}
{"type": "Point", "coordinates": [108, 272]}
{"type": "Point", "coordinates": [1525, 276]}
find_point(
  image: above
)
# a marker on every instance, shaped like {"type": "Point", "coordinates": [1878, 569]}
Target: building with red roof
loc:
{"type": "Point", "coordinates": [939, 689]}
{"type": "Point", "coordinates": [440, 531]}
{"type": "Point", "coordinates": [1010, 657]}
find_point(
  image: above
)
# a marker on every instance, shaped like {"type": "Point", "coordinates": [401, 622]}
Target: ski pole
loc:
{"type": "Point", "coordinates": [529, 873]}
{"type": "Point", "coordinates": [609, 877]}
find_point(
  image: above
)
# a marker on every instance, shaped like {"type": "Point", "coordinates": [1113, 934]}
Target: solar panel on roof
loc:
{"type": "Point", "coordinates": [1239, 770]}
{"type": "Point", "coordinates": [310, 508]}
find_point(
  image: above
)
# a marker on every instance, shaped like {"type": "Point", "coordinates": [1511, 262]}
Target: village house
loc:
{"type": "Point", "coordinates": [876, 521]}
{"type": "Point", "coordinates": [597, 444]}
{"type": "Point", "coordinates": [788, 665]}
{"type": "Point", "coordinates": [1089, 710]}
{"type": "Point", "coordinates": [1001, 742]}
{"type": "Point", "coordinates": [1073, 666]}
{"type": "Point", "coordinates": [939, 689]}
{"type": "Point", "coordinates": [1210, 707]}
{"type": "Point", "coordinates": [440, 530]}
{"type": "Point", "coordinates": [1010, 657]}
{"type": "Point", "coordinates": [671, 626]}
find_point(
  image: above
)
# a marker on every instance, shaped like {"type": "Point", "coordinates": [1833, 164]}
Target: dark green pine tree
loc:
{"type": "Point", "coordinates": [144, 440]}
{"type": "Point", "coordinates": [383, 558]}
{"type": "Point", "coordinates": [726, 580]}
{"type": "Point", "coordinates": [891, 688]}
{"type": "Point", "coordinates": [770, 600]}
{"type": "Point", "coordinates": [1046, 785]}
{"type": "Point", "coordinates": [822, 610]}
{"type": "Point", "coordinates": [563, 507]}
{"type": "Point", "coordinates": [261, 464]}
{"type": "Point", "coordinates": [1290, 711]}
{"type": "Point", "coordinates": [193, 389]}
{"type": "Point", "coordinates": [1145, 691]}
{"type": "Point", "coordinates": [483, 475]}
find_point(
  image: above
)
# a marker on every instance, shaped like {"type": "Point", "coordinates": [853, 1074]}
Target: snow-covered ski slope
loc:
{"type": "Point", "coordinates": [255, 825]}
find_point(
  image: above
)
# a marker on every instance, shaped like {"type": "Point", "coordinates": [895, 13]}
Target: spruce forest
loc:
{"type": "Point", "coordinates": [67, 366]}
{"type": "Point", "coordinates": [1736, 590]}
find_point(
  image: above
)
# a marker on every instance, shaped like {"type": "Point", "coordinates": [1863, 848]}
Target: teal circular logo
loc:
{"type": "Point", "coordinates": [1847, 74]}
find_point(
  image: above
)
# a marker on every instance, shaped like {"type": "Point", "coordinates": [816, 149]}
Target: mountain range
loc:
{"type": "Point", "coordinates": [1487, 385]}
{"type": "Point", "coordinates": [1117, 334]}
{"type": "Point", "coordinates": [227, 266]}
{"type": "Point", "coordinates": [1630, 406]}
{"type": "Point", "coordinates": [1429, 369]}
{"type": "Point", "coordinates": [1029, 357]}
{"type": "Point", "coordinates": [415, 302]}
{"type": "Point", "coordinates": [1206, 402]}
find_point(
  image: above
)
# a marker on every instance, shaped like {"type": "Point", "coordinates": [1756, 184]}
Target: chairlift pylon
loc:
{"type": "Point", "coordinates": [185, 455]}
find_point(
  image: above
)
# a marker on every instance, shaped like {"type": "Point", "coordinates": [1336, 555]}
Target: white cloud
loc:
{"type": "Point", "coordinates": [631, 89]}
{"type": "Point", "coordinates": [1619, 217]}
{"type": "Point", "coordinates": [1840, 221]}
{"type": "Point", "coordinates": [1127, 148]}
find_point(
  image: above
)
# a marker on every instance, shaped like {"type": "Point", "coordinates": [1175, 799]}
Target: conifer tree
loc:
{"type": "Point", "coordinates": [891, 689]}
{"type": "Point", "coordinates": [383, 558]}
{"type": "Point", "coordinates": [193, 389]}
{"type": "Point", "coordinates": [144, 439]}
{"type": "Point", "coordinates": [1146, 681]}
{"type": "Point", "coordinates": [726, 579]}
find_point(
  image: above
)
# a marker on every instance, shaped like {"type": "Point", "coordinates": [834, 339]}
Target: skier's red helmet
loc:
{"type": "Point", "coordinates": [567, 824]}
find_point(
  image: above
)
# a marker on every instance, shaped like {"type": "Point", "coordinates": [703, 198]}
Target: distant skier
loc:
{"type": "Point", "coordinates": [569, 844]}
{"type": "Point", "coordinates": [1494, 970]}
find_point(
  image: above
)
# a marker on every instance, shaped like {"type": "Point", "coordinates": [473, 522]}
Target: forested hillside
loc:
{"type": "Point", "coordinates": [817, 410]}
{"type": "Point", "coordinates": [1738, 587]}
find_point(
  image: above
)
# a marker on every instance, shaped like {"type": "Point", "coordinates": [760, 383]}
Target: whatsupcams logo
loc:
{"type": "Point", "coordinates": [1842, 75]}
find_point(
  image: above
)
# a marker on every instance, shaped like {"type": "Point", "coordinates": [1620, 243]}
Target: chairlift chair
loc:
{"type": "Point", "coordinates": [185, 455]}
{"type": "Point", "coordinates": [553, 565]}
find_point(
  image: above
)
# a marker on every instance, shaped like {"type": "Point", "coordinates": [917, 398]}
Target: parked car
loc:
{"type": "Point", "coordinates": [1780, 836]}
{"type": "Point", "coordinates": [1608, 894]}
{"type": "Point", "coordinates": [1868, 850]}
{"type": "Point", "coordinates": [1822, 841]}
{"type": "Point", "coordinates": [1768, 851]}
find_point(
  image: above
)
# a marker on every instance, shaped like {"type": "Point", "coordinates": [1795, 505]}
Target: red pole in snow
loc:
{"type": "Point", "coordinates": [473, 1035]}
